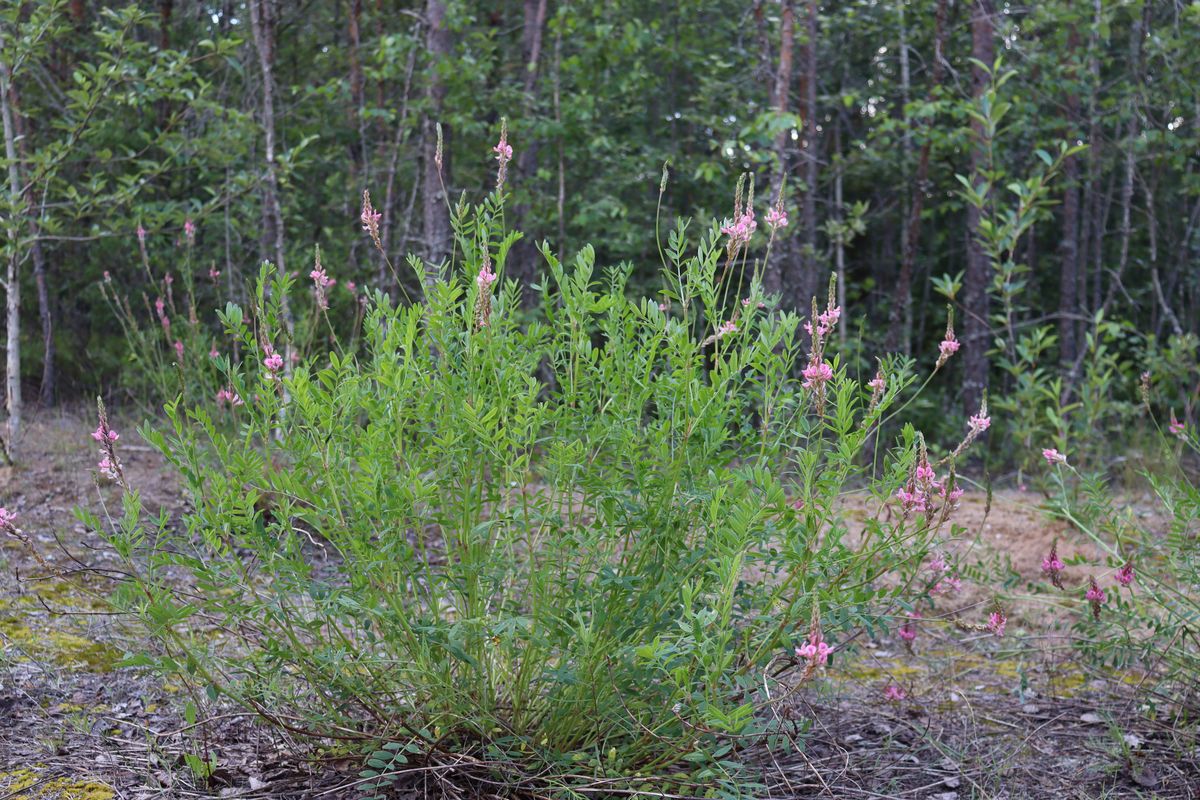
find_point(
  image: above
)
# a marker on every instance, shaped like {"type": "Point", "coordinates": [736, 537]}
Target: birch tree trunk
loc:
{"type": "Point", "coordinates": [262, 22]}
{"type": "Point", "coordinates": [12, 275]}
{"type": "Point", "coordinates": [437, 175]}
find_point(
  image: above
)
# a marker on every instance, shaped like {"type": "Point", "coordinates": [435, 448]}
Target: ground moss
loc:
{"type": "Point", "coordinates": [28, 784]}
{"type": "Point", "coordinates": [58, 647]}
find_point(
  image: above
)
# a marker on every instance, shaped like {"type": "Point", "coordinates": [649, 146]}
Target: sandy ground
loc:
{"type": "Point", "coordinates": [1017, 717]}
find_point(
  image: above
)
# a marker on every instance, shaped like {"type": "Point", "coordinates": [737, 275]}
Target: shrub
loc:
{"type": "Point", "coordinates": [1140, 607]}
{"type": "Point", "coordinates": [598, 540]}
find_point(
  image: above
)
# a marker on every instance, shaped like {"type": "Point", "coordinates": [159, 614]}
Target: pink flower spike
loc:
{"type": "Point", "coordinates": [776, 218]}
{"type": "Point", "coordinates": [979, 423]}
{"type": "Point", "coordinates": [908, 631]}
{"type": "Point", "coordinates": [141, 233]}
{"type": "Point", "coordinates": [894, 693]}
{"type": "Point", "coordinates": [8, 519]}
{"type": "Point", "coordinates": [1177, 428]}
{"type": "Point", "coordinates": [179, 350]}
{"type": "Point", "coordinates": [214, 273]}
{"type": "Point", "coordinates": [817, 374]}
{"type": "Point", "coordinates": [1053, 457]}
{"type": "Point", "coordinates": [996, 623]}
{"type": "Point", "coordinates": [189, 231]}
{"type": "Point", "coordinates": [937, 564]}
{"type": "Point", "coordinates": [815, 650]}
{"type": "Point", "coordinates": [1125, 574]}
{"type": "Point", "coordinates": [877, 384]}
{"type": "Point", "coordinates": [485, 278]}
{"type": "Point", "coordinates": [726, 328]}
{"type": "Point", "coordinates": [948, 347]}
{"type": "Point", "coordinates": [214, 353]}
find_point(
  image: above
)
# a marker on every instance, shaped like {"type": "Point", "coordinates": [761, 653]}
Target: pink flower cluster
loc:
{"type": "Point", "coordinates": [1177, 428]}
{"type": "Point", "coordinates": [321, 282]}
{"type": "Point", "coordinates": [504, 154]}
{"type": "Point", "coordinates": [908, 630]}
{"type": "Point", "coordinates": [109, 464]}
{"type": "Point", "coordinates": [826, 321]}
{"type": "Point", "coordinates": [949, 344]}
{"type": "Point", "coordinates": [815, 650]}
{"type": "Point", "coordinates": [272, 360]}
{"type": "Point", "coordinates": [189, 231]}
{"type": "Point", "coordinates": [1125, 574]}
{"type": "Point", "coordinates": [817, 375]}
{"type": "Point", "coordinates": [727, 327]}
{"type": "Point", "coordinates": [229, 396]}
{"type": "Point", "coordinates": [1053, 566]}
{"type": "Point", "coordinates": [1053, 457]}
{"type": "Point", "coordinates": [370, 218]}
{"type": "Point", "coordinates": [740, 230]}
{"type": "Point", "coordinates": [776, 218]}
{"type": "Point", "coordinates": [923, 487]}
{"type": "Point", "coordinates": [894, 693]}
{"type": "Point", "coordinates": [8, 519]}
{"type": "Point", "coordinates": [160, 308]}
{"type": "Point", "coordinates": [997, 622]}
{"type": "Point", "coordinates": [1095, 596]}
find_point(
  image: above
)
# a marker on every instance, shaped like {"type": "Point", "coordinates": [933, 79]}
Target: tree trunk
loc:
{"type": "Point", "coordinates": [12, 276]}
{"type": "Point", "coordinates": [262, 21]}
{"type": "Point", "coordinates": [900, 322]}
{"type": "Point", "coordinates": [975, 298]}
{"type": "Point", "coordinates": [773, 273]}
{"type": "Point", "coordinates": [357, 90]}
{"type": "Point", "coordinates": [1068, 300]}
{"type": "Point", "coordinates": [437, 163]}
{"type": "Point", "coordinates": [806, 287]}
{"type": "Point", "coordinates": [524, 256]}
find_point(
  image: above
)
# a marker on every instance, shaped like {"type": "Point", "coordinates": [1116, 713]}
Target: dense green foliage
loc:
{"type": "Point", "coordinates": [592, 545]}
{"type": "Point", "coordinates": [156, 114]}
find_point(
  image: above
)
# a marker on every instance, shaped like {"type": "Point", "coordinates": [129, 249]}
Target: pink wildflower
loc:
{"type": "Point", "coordinates": [815, 650]}
{"type": "Point", "coordinates": [179, 350]}
{"type": "Point", "coordinates": [273, 361]}
{"type": "Point", "coordinates": [949, 344]}
{"type": "Point", "coordinates": [107, 277]}
{"type": "Point", "coordinates": [1125, 574]}
{"type": "Point", "coordinates": [727, 327]}
{"type": "Point", "coordinates": [485, 278]}
{"type": "Point", "coordinates": [351, 286]}
{"type": "Point", "coordinates": [662, 306]}
{"type": "Point", "coordinates": [746, 302]}
{"type": "Point", "coordinates": [776, 218]}
{"type": "Point", "coordinates": [1177, 428]}
{"type": "Point", "coordinates": [1095, 596]}
{"type": "Point", "coordinates": [214, 273]}
{"type": "Point", "coordinates": [798, 504]}
{"type": "Point", "coordinates": [937, 564]}
{"type": "Point", "coordinates": [894, 693]}
{"type": "Point", "coordinates": [910, 498]}
{"type": "Point", "coordinates": [8, 519]}
{"type": "Point", "coordinates": [1053, 457]}
{"type": "Point", "coordinates": [102, 433]}
{"type": "Point", "coordinates": [947, 586]}
{"type": "Point", "coordinates": [1053, 566]}
{"type": "Point", "coordinates": [816, 375]}
{"type": "Point", "coordinates": [228, 396]}
{"type": "Point", "coordinates": [908, 630]}
{"type": "Point", "coordinates": [996, 623]}
{"type": "Point", "coordinates": [948, 347]}
{"type": "Point", "coordinates": [319, 278]}
{"type": "Point", "coordinates": [141, 234]}
{"type": "Point", "coordinates": [979, 423]}
{"type": "Point", "coordinates": [189, 231]}
{"type": "Point", "coordinates": [740, 230]}
{"type": "Point", "coordinates": [826, 321]}
{"type": "Point", "coordinates": [877, 384]}
{"type": "Point", "coordinates": [110, 464]}
{"type": "Point", "coordinates": [214, 353]}
{"type": "Point", "coordinates": [504, 154]}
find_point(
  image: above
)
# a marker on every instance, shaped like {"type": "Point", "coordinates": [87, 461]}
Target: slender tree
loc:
{"type": "Point", "coordinates": [975, 298]}
{"type": "Point", "coordinates": [436, 156]}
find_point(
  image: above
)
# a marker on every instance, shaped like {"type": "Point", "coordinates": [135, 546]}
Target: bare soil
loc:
{"type": "Point", "coordinates": [983, 717]}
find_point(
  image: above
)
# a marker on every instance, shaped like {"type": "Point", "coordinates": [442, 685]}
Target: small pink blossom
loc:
{"type": "Point", "coordinates": [908, 630]}
{"type": "Point", "coordinates": [947, 586]}
{"type": "Point", "coordinates": [179, 349]}
{"type": "Point", "coordinates": [214, 353]}
{"type": "Point", "coordinates": [273, 361]}
{"type": "Point", "coordinates": [816, 375]}
{"type": "Point", "coordinates": [662, 306]}
{"type": "Point", "coordinates": [894, 693]}
{"type": "Point", "coordinates": [214, 273]}
{"type": "Point", "coordinates": [108, 468]}
{"type": "Point", "coordinates": [8, 519]}
{"type": "Point", "coordinates": [746, 302]}
{"type": "Point", "coordinates": [1125, 574]}
{"type": "Point", "coordinates": [798, 504]}
{"type": "Point", "coordinates": [776, 218]}
{"type": "Point", "coordinates": [320, 278]}
{"type": "Point", "coordinates": [351, 286]}
{"type": "Point", "coordinates": [228, 396]}
{"type": "Point", "coordinates": [727, 327]}
{"type": "Point", "coordinates": [997, 622]}
{"type": "Point", "coordinates": [979, 423]}
{"type": "Point", "coordinates": [924, 473]}
{"type": "Point", "coordinates": [189, 231]}
{"type": "Point", "coordinates": [910, 498]}
{"type": "Point", "coordinates": [1177, 428]}
{"type": "Point", "coordinates": [1095, 594]}
{"type": "Point", "coordinates": [485, 278]}
{"type": "Point", "coordinates": [877, 384]}
{"type": "Point", "coordinates": [504, 154]}
{"type": "Point", "coordinates": [826, 321]}
{"type": "Point", "coordinates": [107, 277]}
{"type": "Point", "coordinates": [740, 230]}
{"type": "Point", "coordinates": [948, 347]}
{"type": "Point", "coordinates": [937, 564]}
{"type": "Point", "coordinates": [141, 233]}
{"type": "Point", "coordinates": [815, 649]}
{"type": "Point", "coordinates": [101, 434]}
{"type": "Point", "coordinates": [1053, 457]}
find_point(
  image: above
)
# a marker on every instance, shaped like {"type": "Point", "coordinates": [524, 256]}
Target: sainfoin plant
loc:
{"type": "Point", "coordinates": [595, 542]}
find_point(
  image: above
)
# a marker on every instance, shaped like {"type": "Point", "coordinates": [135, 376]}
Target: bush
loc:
{"type": "Point", "coordinates": [599, 540]}
{"type": "Point", "coordinates": [1141, 606]}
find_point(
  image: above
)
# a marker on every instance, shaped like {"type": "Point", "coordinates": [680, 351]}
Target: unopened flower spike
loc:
{"type": "Point", "coordinates": [370, 220]}
{"type": "Point", "coordinates": [1053, 566]}
{"type": "Point", "coordinates": [949, 344]}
